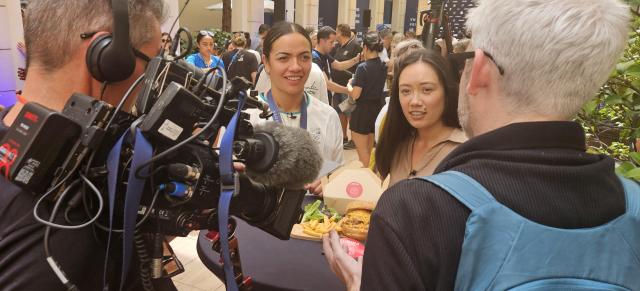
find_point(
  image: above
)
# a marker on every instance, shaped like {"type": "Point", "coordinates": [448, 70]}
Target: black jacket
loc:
{"type": "Point", "coordinates": [540, 170]}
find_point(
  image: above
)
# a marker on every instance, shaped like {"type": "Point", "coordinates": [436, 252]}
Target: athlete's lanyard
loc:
{"type": "Point", "coordinates": [276, 110]}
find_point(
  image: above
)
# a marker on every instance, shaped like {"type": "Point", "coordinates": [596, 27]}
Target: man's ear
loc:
{"type": "Point", "coordinates": [480, 75]}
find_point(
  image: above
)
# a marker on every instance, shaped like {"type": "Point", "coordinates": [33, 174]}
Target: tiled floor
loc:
{"type": "Point", "coordinates": [196, 276]}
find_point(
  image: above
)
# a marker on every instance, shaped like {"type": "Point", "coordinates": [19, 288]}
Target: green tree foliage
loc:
{"type": "Point", "coordinates": [612, 120]}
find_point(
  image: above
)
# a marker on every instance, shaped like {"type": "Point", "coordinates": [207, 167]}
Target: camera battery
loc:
{"type": "Point", "coordinates": [34, 146]}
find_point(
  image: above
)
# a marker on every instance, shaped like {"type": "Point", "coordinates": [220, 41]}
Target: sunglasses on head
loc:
{"type": "Point", "coordinates": [205, 33]}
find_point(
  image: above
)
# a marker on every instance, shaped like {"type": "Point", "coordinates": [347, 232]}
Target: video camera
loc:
{"type": "Point", "coordinates": [180, 112]}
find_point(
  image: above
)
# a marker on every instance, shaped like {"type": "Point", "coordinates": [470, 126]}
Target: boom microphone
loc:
{"type": "Point", "coordinates": [297, 159]}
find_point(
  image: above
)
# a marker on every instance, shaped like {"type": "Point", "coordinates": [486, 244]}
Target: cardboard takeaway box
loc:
{"type": "Point", "coordinates": [351, 182]}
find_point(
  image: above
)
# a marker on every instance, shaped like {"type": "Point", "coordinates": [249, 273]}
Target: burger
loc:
{"type": "Point", "coordinates": [355, 223]}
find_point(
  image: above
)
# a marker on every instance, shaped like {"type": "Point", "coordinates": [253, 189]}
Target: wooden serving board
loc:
{"type": "Point", "coordinates": [296, 232]}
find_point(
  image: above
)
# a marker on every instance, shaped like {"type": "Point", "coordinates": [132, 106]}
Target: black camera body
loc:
{"type": "Point", "coordinates": [190, 192]}
{"type": "Point", "coordinates": [181, 194]}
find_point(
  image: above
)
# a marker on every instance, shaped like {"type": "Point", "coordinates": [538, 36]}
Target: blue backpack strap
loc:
{"type": "Point", "coordinates": [632, 196]}
{"type": "Point", "coordinates": [462, 187]}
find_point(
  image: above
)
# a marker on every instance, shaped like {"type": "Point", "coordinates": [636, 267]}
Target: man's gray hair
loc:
{"type": "Point", "coordinates": [405, 45]}
{"type": "Point", "coordinates": [53, 27]}
{"type": "Point", "coordinates": [555, 53]}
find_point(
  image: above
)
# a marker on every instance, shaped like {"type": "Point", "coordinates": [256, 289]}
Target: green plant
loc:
{"type": "Point", "coordinates": [612, 120]}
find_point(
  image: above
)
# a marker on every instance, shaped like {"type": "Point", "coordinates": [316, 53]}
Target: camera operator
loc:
{"type": "Point", "coordinates": [58, 35]}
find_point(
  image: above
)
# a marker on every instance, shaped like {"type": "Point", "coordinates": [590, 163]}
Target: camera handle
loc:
{"type": "Point", "coordinates": [244, 282]}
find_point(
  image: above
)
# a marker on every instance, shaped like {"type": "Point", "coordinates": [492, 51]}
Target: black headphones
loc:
{"type": "Point", "coordinates": [110, 58]}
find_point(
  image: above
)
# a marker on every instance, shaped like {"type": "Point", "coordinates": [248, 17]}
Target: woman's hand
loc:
{"type": "Point", "coordinates": [348, 270]}
{"type": "Point", "coordinates": [357, 59]}
{"type": "Point", "coordinates": [314, 187]}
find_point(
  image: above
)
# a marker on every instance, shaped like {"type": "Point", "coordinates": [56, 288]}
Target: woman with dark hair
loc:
{"type": "Point", "coordinates": [422, 125]}
{"type": "Point", "coordinates": [204, 58]}
{"type": "Point", "coordinates": [367, 89]}
{"type": "Point", "coordinates": [287, 61]}
{"type": "Point", "coordinates": [421, 128]}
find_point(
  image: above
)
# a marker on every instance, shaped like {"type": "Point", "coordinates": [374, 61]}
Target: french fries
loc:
{"type": "Point", "coordinates": [317, 229]}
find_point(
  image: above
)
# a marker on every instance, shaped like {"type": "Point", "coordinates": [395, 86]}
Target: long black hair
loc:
{"type": "Point", "coordinates": [396, 129]}
{"type": "Point", "coordinates": [278, 30]}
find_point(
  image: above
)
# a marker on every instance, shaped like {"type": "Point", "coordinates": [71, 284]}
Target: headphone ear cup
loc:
{"type": "Point", "coordinates": [94, 56]}
{"type": "Point", "coordinates": [108, 63]}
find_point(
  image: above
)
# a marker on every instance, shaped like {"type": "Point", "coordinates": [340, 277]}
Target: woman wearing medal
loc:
{"type": "Point", "coordinates": [287, 60]}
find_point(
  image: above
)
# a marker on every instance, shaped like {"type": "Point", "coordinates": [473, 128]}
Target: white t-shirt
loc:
{"type": "Point", "coordinates": [384, 55]}
{"type": "Point", "coordinates": [380, 118]}
{"type": "Point", "coordinates": [323, 124]}
{"type": "Point", "coordinates": [257, 54]}
{"type": "Point", "coordinates": [315, 85]}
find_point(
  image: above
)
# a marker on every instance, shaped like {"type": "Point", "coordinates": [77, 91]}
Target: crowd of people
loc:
{"type": "Point", "coordinates": [349, 73]}
{"type": "Point", "coordinates": [495, 114]}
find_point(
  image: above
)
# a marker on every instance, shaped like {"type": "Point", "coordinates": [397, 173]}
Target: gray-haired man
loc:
{"type": "Point", "coordinates": [56, 69]}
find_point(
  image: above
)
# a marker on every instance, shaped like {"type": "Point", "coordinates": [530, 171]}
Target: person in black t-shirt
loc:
{"type": "Point", "coordinates": [240, 62]}
{"type": "Point", "coordinates": [348, 47]}
{"type": "Point", "coordinates": [367, 89]}
{"type": "Point", "coordinates": [57, 68]}
{"type": "Point", "coordinates": [519, 92]}
{"type": "Point", "coordinates": [321, 56]}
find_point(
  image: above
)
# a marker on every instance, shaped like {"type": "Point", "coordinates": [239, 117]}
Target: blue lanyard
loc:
{"type": "Point", "coordinates": [276, 110]}
{"type": "Point", "coordinates": [234, 58]}
{"type": "Point", "coordinates": [142, 152]}
{"type": "Point", "coordinates": [229, 187]}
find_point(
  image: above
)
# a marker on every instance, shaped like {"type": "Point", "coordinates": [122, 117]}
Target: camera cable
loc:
{"type": "Point", "coordinates": [47, 233]}
{"type": "Point", "coordinates": [213, 119]}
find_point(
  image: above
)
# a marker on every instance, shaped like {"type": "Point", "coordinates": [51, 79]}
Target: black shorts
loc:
{"type": "Point", "coordinates": [363, 118]}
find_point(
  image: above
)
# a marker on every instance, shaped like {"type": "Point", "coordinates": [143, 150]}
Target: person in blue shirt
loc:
{"type": "Point", "coordinates": [204, 58]}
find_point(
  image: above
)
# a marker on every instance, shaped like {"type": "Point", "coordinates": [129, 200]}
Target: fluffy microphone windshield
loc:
{"type": "Point", "coordinates": [298, 161]}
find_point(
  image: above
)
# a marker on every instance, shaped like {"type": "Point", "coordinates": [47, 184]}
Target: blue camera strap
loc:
{"type": "Point", "coordinates": [142, 152]}
{"type": "Point", "coordinates": [276, 111]}
{"type": "Point", "coordinates": [229, 186]}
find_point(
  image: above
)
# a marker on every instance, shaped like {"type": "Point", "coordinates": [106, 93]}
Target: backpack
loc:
{"type": "Point", "coordinates": [505, 251]}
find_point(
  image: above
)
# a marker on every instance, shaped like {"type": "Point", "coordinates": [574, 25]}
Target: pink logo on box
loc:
{"type": "Point", "coordinates": [354, 189]}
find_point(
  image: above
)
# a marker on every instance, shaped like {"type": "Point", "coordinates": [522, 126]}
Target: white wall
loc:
{"type": "Point", "coordinates": [247, 15]}
{"type": "Point", "coordinates": [197, 17]}
{"type": "Point", "coordinates": [307, 13]}
{"type": "Point", "coordinates": [172, 13]}
{"type": "Point", "coordinates": [10, 59]}
{"type": "Point", "coordinates": [347, 12]}
{"type": "Point", "coordinates": [398, 14]}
